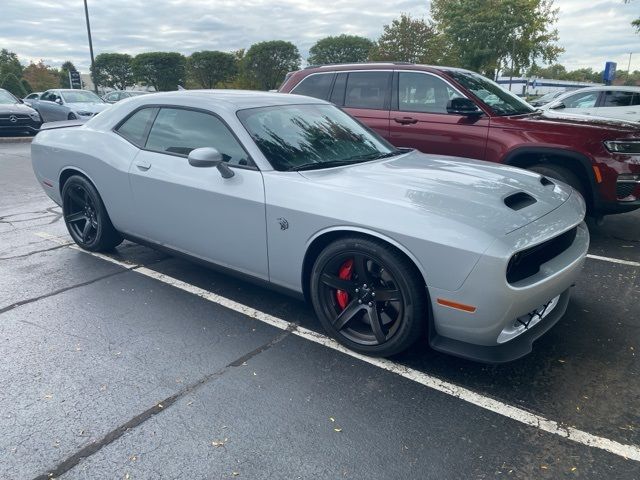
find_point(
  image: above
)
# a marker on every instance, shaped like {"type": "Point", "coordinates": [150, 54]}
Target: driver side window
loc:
{"type": "Point", "coordinates": [581, 100]}
{"type": "Point", "coordinates": [419, 92]}
{"type": "Point", "coordinates": [178, 131]}
{"type": "Point", "coordinates": [49, 96]}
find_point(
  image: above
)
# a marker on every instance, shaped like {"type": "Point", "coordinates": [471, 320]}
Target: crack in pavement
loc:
{"type": "Point", "coordinates": [36, 251]}
{"type": "Point", "coordinates": [94, 447]}
{"type": "Point", "coordinates": [59, 291]}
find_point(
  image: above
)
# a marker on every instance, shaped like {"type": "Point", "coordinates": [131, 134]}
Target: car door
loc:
{"type": "Point", "coordinates": [45, 106]}
{"type": "Point", "coordinates": [419, 118]}
{"type": "Point", "coordinates": [622, 104]}
{"type": "Point", "coordinates": [195, 210]}
{"type": "Point", "coordinates": [365, 95]}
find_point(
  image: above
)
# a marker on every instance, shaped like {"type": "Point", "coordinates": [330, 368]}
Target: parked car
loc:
{"type": "Point", "coordinates": [68, 104]}
{"type": "Point", "coordinates": [622, 103]}
{"type": "Point", "coordinates": [546, 98]}
{"type": "Point", "coordinates": [15, 116]}
{"type": "Point", "coordinates": [290, 190]}
{"type": "Point", "coordinates": [32, 96]}
{"type": "Point", "coordinates": [451, 111]}
{"type": "Point", "coordinates": [118, 95]}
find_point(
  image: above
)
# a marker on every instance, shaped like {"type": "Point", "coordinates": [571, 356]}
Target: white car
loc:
{"type": "Point", "coordinates": [618, 102]}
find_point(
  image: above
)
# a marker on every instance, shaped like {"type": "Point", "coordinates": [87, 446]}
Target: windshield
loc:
{"type": "Point", "coordinates": [501, 101]}
{"type": "Point", "coordinates": [80, 96]}
{"type": "Point", "coordinates": [299, 137]}
{"type": "Point", "coordinates": [7, 98]}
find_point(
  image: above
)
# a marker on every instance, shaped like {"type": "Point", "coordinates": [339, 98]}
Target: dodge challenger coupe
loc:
{"type": "Point", "coordinates": [388, 244]}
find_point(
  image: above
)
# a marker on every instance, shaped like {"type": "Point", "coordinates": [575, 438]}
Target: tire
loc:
{"type": "Point", "coordinates": [368, 296]}
{"type": "Point", "coordinates": [560, 173]}
{"type": "Point", "coordinates": [86, 217]}
{"type": "Point", "coordinates": [72, 116]}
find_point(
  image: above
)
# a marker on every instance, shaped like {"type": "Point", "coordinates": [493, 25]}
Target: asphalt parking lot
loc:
{"type": "Point", "coordinates": [140, 365]}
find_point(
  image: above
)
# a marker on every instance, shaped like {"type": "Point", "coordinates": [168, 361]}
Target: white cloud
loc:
{"type": "Point", "coordinates": [591, 31]}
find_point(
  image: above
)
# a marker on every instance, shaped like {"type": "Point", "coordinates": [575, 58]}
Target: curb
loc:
{"type": "Point", "coordinates": [16, 139]}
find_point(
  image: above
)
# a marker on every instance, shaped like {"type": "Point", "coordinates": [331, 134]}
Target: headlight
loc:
{"type": "Point", "coordinates": [35, 116]}
{"type": "Point", "coordinates": [630, 147]}
{"type": "Point", "coordinates": [84, 113]}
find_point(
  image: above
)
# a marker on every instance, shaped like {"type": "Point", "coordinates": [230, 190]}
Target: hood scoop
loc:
{"type": "Point", "coordinates": [519, 200]}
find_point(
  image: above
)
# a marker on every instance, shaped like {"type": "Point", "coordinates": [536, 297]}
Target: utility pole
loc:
{"type": "Point", "coordinates": [629, 65]}
{"type": "Point", "coordinates": [93, 78]}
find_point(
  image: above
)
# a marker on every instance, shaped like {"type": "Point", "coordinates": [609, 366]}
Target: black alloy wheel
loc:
{"type": "Point", "coordinates": [369, 296]}
{"type": "Point", "coordinates": [85, 216]}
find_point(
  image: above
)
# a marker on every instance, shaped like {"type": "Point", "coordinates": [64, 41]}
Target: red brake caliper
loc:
{"type": "Point", "coordinates": [345, 274]}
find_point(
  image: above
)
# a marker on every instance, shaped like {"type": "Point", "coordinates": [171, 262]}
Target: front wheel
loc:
{"type": "Point", "coordinates": [368, 296]}
{"type": "Point", "coordinates": [85, 216]}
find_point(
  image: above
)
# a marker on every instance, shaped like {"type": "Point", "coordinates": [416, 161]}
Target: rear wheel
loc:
{"type": "Point", "coordinates": [368, 296]}
{"type": "Point", "coordinates": [85, 216]}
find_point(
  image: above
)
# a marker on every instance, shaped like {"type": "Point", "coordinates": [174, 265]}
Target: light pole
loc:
{"type": "Point", "coordinates": [629, 65]}
{"type": "Point", "coordinates": [93, 78]}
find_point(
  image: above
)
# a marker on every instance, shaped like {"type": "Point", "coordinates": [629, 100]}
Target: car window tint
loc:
{"type": "Point", "coordinates": [49, 95]}
{"type": "Point", "coordinates": [337, 95]}
{"type": "Point", "coordinates": [366, 89]}
{"type": "Point", "coordinates": [419, 92]}
{"type": "Point", "coordinates": [581, 100]}
{"type": "Point", "coordinates": [317, 85]}
{"type": "Point", "coordinates": [617, 99]}
{"type": "Point", "coordinates": [135, 127]}
{"type": "Point", "coordinates": [179, 131]}
{"type": "Point", "coordinates": [636, 99]}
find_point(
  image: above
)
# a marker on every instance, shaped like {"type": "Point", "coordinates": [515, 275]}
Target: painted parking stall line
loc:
{"type": "Point", "coordinates": [614, 260]}
{"type": "Point", "coordinates": [631, 452]}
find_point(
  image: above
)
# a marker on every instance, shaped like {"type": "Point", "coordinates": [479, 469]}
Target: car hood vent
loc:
{"type": "Point", "coordinates": [519, 200]}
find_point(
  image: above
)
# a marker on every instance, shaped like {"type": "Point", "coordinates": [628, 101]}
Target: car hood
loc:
{"type": "Point", "coordinates": [472, 192]}
{"type": "Point", "coordinates": [88, 107]}
{"type": "Point", "coordinates": [553, 117]}
{"type": "Point", "coordinates": [15, 108]}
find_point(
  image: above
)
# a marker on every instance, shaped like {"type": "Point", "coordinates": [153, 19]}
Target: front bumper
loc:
{"type": "Point", "coordinates": [480, 335]}
{"type": "Point", "coordinates": [20, 126]}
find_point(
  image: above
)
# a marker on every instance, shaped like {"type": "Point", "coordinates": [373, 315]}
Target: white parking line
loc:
{"type": "Point", "coordinates": [631, 452]}
{"type": "Point", "coordinates": [614, 260]}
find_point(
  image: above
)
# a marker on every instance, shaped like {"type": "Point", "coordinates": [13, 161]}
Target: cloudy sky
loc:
{"type": "Point", "coordinates": [591, 31]}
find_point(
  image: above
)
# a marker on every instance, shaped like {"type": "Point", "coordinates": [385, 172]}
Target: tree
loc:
{"type": "Point", "coordinates": [208, 68]}
{"type": "Point", "coordinates": [41, 77]}
{"type": "Point", "coordinates": [488, 35]}
{"type": "Point", "coordinates": [9, 64]}
{"type": "Point", "coordinates": [409, 40]}
{"type": "Point", "coordinates": [26, 86]}
{"type": "Point", "coordinates": [114, 70]}
{"type": "Point", "coordinates": [266, 63]}
{"type": "Point", "coordinates": [164, 71]}
{"type": "Point", "coordinates": [66, 67]}
{"type": "Point", "coordinates": [12, 83]}
{"type": "Point", "coordinates": [340, 49]}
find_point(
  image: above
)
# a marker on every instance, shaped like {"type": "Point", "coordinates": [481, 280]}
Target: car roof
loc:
{"type": "Point", "coordinates": [617, 88]}
{"type": "Point", "coordinates": [232, 99]}
{"type": "Point", "coordinates": [381, 66]}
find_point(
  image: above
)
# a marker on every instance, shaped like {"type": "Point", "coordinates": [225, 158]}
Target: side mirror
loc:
{"type": "Point", "coordinates": [559, 106]}
{"type": "Point", "coordinates": [463, 106]}
{"type": "Point", "coordinates": [58, 100]}
{"type": "Point", "coordinates": [209, 157]}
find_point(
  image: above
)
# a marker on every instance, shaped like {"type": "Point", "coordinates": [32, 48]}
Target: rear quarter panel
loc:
{"type": "Point", "coordinates": [103, 157]}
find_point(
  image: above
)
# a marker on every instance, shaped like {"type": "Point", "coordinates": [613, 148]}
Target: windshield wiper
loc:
{"type": "Point", "coordinates": [317, 165]}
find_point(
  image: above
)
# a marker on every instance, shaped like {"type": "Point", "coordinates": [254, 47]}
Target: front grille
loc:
{"type": "Point", "coordinates": [623, 190]}
{"type": "Point", "coordinates": [527, 263]}
{"type": "Point", "coordinates": [20, 120]}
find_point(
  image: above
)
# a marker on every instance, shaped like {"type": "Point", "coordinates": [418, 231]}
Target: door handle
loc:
{"type": "Point", "coordinates": [405, 120]}
{"type": "Point", "coordinates": [143, 165]}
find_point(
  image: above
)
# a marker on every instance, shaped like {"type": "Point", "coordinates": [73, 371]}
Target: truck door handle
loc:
{"type": "Point", "coordinates": [405, 120]}
{"type": "Point", "coordinates": [143, 165]}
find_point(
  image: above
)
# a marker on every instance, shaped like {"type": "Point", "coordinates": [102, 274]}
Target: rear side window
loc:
{"type": "Point", "coordinates": [367, 90]}
{"type": "Point", "coordinates": [317, 85]}
{"type": "Point", "coordinates": [178, 131]}
{"type": "Point", "coordinates": [619, 99]}
{"type": "Point", "coordinates": [135, 128]}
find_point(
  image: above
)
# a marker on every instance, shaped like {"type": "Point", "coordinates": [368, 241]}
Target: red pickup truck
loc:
{"type": "Point", "coordinates": [450, 111]}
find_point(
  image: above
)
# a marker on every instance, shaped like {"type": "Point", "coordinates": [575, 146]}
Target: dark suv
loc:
{"type": "Point", "coordinates": [451, 111]}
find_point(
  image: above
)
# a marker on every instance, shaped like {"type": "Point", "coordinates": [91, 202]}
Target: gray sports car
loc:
{"type": "Point", "coordinates": [387, 244]}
